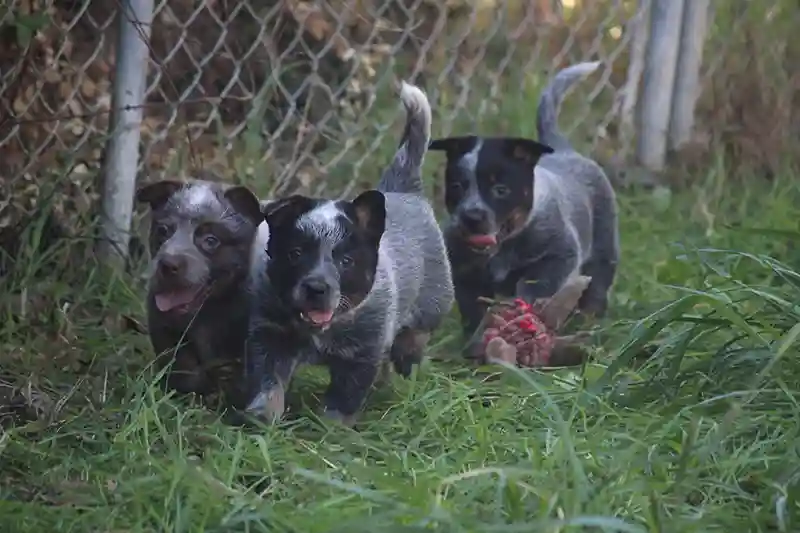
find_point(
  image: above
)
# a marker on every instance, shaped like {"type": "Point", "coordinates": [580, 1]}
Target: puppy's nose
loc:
{"type": "Point", "coordinates": [172, 265]}
{"type": "Point", "coordinates": [474, 216]}
{"type": "Point", "coordinates": [315, 287]}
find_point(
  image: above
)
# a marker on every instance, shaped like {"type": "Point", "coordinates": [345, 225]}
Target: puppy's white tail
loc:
{"type": "Point", "coordinates": [405, 172]}
{"type": "Point", "coordinates": [550, 101]}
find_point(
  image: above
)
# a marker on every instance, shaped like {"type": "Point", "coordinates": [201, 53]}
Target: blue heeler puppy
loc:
{"type": "Point", "coordinates": [203, 237]}
{"type": "Point", "coordinates": [526, 215]}
{"type": "Point", "coordinates": [349, 284]}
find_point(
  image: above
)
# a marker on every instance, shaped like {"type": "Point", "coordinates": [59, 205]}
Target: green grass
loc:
{"type": "Point", "coordinates": [686, 420]}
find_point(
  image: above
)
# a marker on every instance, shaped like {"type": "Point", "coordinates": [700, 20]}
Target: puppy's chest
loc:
{"type": "Point", "coordinates": [471, 265]}
{"type": "Point", "coordinates": [344, 343]}
{"type": "Point", "coordinates": [500, 267]}
{"type": "Point", "coordinates": [220, 337]}
{"type": "Point", "coordinates": [505, 267]}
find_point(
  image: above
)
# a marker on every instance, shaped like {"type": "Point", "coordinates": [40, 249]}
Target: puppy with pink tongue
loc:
{"type": "Point", "coordinates": [482, 241]}
{"type": "Point", "coordinates": [526, 214]}
{"type": "Point", "coordinates": [319, 318]}
{"type": "Point", "coordinates": [202, 240]}
{"type": "Point", "coordinates": [177, 301]}
{"type": "Point", "coordinates": [350, 285]}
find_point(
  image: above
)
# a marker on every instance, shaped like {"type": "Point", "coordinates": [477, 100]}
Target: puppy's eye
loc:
{"type": "Point", "coordinates": [456, 187]}
{"type": "Point", "coordinates": [210, 242]}
{"type": "Point", "coordinates": [163, 231]}
{"type": "Point", "coordinates": [347, 261]}
{"type": "Point", "coordinates": [295, 253]}
{"type": "Point", "coordinates": [500, 191]}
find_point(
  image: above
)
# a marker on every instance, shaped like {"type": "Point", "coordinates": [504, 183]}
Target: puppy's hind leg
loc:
{"type": "Point", "coordinates": [546, 276]}
{"type": "Point", "coordinates": [594, 300]}
{"type": "Point", "coordinates": [434, 303]}
{"type": "Point", "coordinates": [408, 350]}
{"type": "Point", "coordinates": [602, 266]}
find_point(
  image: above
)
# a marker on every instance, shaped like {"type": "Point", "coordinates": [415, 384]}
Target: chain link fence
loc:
{"type": "Point", "coordinates": [296, 95]}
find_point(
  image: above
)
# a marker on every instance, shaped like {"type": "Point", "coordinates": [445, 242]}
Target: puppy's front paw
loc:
{"type": "Point", "coordinates": [187, 381]}
{"type": "Point", "coordinates": [474, 348]}
{"type": "Point", "coordinates": [384, 376]}
{"type": "Point", "coordinates": [335, 415]}
{"type": "Point", "coordinates": [594, 307]}
{"type": "Point", "coordinates": [268, 405]}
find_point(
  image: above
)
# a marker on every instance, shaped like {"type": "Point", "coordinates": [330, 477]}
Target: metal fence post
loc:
{"type": "Point", "coordinates": [122, 153]}
{"type": "Point", "coordinates": [659, 82]}
{"type": "Point", "coordinates": [639, 28]}
{"type": "Point", "coordinates": [687, 79]}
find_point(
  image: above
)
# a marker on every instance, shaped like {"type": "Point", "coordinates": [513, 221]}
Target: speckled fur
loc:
{"type": "Point", "coordinates": [571, 226]}
{"type": "Point", "coordinates": [408, 292]}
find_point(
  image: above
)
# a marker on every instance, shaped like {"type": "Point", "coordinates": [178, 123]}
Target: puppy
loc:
{"type": "Point", "coordinates": [203, 238]}
{"type": "Point", "coordinates": [527, 215]}
{"type": "Point", "coordinates": [349, 284]}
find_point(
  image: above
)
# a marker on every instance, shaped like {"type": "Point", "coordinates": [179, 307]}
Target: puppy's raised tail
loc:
{"type": "Point", "coordinates": [404, 175]}
{"type": "Point", "coordinates": [550, 102]}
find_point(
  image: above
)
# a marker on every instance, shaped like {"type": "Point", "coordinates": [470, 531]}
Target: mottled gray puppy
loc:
{"type": "Point", "coordinates": [527, 215]}
{"type": "Point", "coordinates": [203, 237]}
{"type": "Point", "coordinates": [350, 283]}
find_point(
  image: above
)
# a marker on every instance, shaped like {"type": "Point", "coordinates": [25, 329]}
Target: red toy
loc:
{"type": "Point", "coordinates": [526, 334]}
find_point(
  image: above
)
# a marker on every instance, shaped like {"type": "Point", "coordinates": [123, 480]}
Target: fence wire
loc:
{"type": "Point", "coordinates": [295, 95]}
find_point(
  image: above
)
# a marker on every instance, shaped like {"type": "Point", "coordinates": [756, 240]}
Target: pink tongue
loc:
{"type": "Point", "coordinates": [483, 240]}
{"type": "Point", "coordinates": [320, 317]}
{"type": "Point", "coordinates": [167, 301]}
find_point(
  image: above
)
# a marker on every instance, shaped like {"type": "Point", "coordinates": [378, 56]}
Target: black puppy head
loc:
{"type": "Point", "coordinates": [489, 184]}
{"type": "Point", "coordinates": [200, 238]}
{"type": "Point", "coordinates": [324, 254]}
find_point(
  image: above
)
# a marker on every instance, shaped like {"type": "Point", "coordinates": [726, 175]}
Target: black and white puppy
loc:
{"type": "Point", "coordinates": [527, 215]}
{"type": "Point", "coordinates": [349, 284]}
{"type": "Point", "coordinates": [203, 237]}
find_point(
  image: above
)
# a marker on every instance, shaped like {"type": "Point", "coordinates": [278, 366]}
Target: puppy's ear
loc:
{"type": "Point", "coordinates": [264, 206]}
{"type": "Point", "coordinates": [280, 211]}
{"type": "Point", "coordinates": [453, 147]}
{"type": "Point", "coordinates": [526, 150]}
{"type": "Point", "coordinates": [245, 203]}
{"type": "Point", "coordinates": [156, 194]}
{"type": "Point", "coordinates": [370, 211]}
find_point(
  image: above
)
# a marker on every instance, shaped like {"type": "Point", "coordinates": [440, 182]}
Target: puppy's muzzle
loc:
{"type": "Point", "coordinates": [315, 291]}
{"type": "Point", "coordinates": [477, 227]}
{"type": "Point", "coordinates": [174, 291]}
{"type": "Point", "coordinates": [316, 303]}
{"type": "Point", "coordinates": [172, 267]}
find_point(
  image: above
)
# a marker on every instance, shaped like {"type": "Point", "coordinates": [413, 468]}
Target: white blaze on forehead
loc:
{"type": "Point", "coordinates": [197, 196]}
{"type": "Point", "coordinates": [323, 222]}
{"type": "Point", "coordinates": [469, 161]}
{"type": "Point", "coordinates": [200, 195]}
